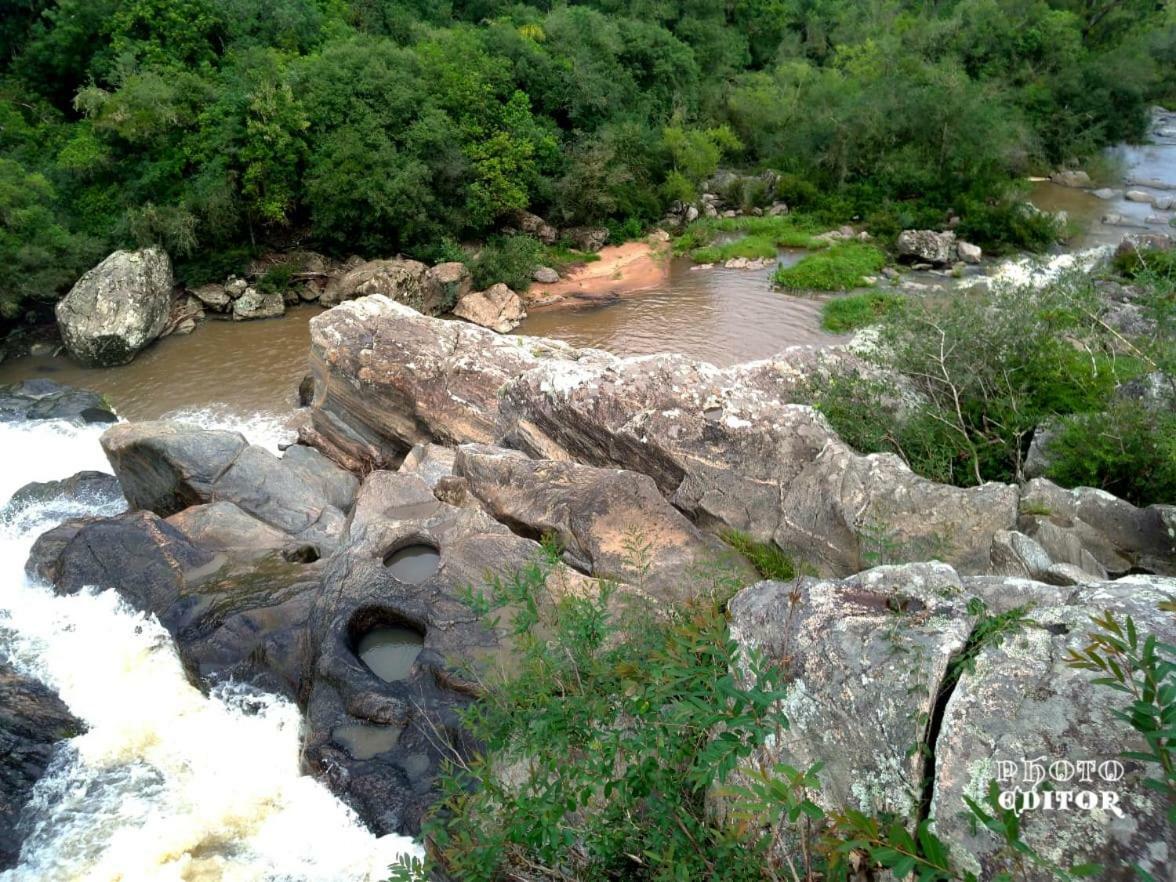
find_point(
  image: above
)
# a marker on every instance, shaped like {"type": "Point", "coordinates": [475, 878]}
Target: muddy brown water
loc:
{"type": "Point", "coordinates": [717, 315]}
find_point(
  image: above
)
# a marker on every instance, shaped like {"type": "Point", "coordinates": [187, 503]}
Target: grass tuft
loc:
{"type": "Point", "coordinates": [839, 268]}
{"type": "Point", "coordinates": [858, 311]}
{"type": "Point", "coordinates": [769, 561]}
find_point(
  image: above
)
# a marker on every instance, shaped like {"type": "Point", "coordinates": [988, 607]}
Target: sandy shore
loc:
{"type": "Point", "coordinates": [622, 269]}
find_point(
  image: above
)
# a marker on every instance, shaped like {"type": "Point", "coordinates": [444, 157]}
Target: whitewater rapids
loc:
{"type": "Point", "coordinates": [166, 783]}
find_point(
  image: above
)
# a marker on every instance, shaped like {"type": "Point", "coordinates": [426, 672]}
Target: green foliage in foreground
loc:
{"type": "Point", "coordinates": [856, 311]}
{"type": "Point", "coordinates": [1143, 669]}
{"type": "Point", "coordinates": [983, 370]}
{"type": "Point", "coordinates": [838, 268]}
{"type": "Point", "coordinates": [767, 558]}
{"type": "Point", "coordinates": [604, 748]}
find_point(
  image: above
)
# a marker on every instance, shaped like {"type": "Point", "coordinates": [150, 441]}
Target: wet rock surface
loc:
{"type": "Point", "coordinates": [42, 399]}
{"type": "Point", "coordinates": [33, 720]}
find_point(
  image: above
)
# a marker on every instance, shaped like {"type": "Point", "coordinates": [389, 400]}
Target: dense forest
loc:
{"type": "Point", "coordinates": [222, 127]}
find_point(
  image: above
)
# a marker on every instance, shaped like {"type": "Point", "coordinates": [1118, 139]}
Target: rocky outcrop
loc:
{"type": "Point", "coordinates": [725, 448]}
{"type": "Point", "coordinates": [401, 280]}
{"type": "Point", "coordinates": [863, 661]}
{"type": "Point", "coordinates": [380, 742]}
{"type": "Point", "coordinates": [912, 706]}
{"type": "Point", "coordinates": [42, 399]}
{"type": "Point", "coordinates": [1098, 533]}
{"type": "Point", "coordinates": [612, 524]}
{"type": "Point", "coordinates": [386, 379]}
{"type": "Point", "coordinates": [497, 308]}
{"type": "Point", "coordinates": [32, 722]}
{"type": "Point", "coordinates": [927, 246]}
{"type": "Point", "coordinates": [167, 467]}
{"type": "Point", "coordinates": [117, 308]}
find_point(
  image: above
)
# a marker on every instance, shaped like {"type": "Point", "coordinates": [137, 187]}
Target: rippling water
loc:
{"type": "Point", "coordinates": [167, 783]}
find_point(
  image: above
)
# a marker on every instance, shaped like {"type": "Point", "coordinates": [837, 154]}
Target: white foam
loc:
{"type": "Point", "coordinates": [1037, 272]}
{"type": "Point", "coordinates": [264, 429]}
{"type": "Point", "coordinates": [167, 783]}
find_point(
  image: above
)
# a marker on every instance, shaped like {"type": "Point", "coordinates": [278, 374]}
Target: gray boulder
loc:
{"type": "Point", "coordinates": [863, 660]}
{"type": "Point", "coordinates": [536, 227]}
{"type": "Point", "coordinates": [214, 297]}
{"type": "Point", "coordinates": [43, 399]}
{"type": "Point", "coordinates": [927, 246]}
{"type": "Point", "coordinates": [401, 280]}
{"type": "Point", "coordinates": [545, 275]}
{"type": "Point", "coordinates": [116, 309]}
{"type": "Point", "coordinates": [166, 468]}
{"type": "Point", "coordinates": [612, 524]}
{"type": "Point", "coordinates": [257, 304]}
{"type": "Point", "coordinates": [591, 239]}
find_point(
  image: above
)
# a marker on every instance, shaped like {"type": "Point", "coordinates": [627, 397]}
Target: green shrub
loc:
{"type": "Point", "coordinates": [839, 268]}
{"type": "Point", "coordinates": [1129, 451]}
{"type": "Point", "coordinates": [624, 230]}
{"type": "Point", "coordinates": [609, 723]}
{"type": "Point", "coordinates": [507, 259]}
{"type": "Point", "coordinates": [1005, 225]}
{"type": "Point", "coordinates": [786, 231]}
{"type": "Point", "coordinates": [767, 558]}
{"type": "Point", "coordinates": [858, 311]}
{"type": "Point", "coordinates": [981, 371]}
{"type": "Point", "coordinates": [1156, 262]}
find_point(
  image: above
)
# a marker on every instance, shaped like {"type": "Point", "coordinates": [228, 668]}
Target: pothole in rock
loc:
{"type": "Point", "coordinates": [363, 741]}
{"type": "Point", "coordinates": [387, 644]}
{"type": "Point", "coordinates": [412, 564]}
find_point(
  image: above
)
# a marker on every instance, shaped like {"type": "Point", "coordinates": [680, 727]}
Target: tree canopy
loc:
{"type": "Point", "coordinates": [373, 126]}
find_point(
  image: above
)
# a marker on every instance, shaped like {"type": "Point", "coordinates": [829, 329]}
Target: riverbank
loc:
{"type": "Point", "coordinates": [622, 269]}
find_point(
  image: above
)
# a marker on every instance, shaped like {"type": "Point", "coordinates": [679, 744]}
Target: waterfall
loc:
{"type": "Point", "coordinates": [166, 783]}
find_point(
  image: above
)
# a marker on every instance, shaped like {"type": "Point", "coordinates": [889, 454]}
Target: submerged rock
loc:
{"type": "Point", "coordinates": [116, 309]}
{"type": "Point", "coordinates": [42, 399]}
{"type": "Point", "coordinates": [32, 722]}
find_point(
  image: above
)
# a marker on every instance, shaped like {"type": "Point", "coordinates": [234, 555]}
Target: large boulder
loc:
{"type": "Point", "coordinates": [1019, 702]}
{"type": "Point", "coordinates": [1071, 178]}
{"type": "Point", "coordinates": [913, 701]}
{"type": "Point", "coordinates": [445, 285]}
{"type": "Point", "coordinates": [32, 722]}
{"type": "Point", "coordinates": [590, 239]}
{"type": "Point", "coordinates": [927, 246]}
{"type": "Point", "coordinates": [42, 399]}
{"type": "Point", "coordinates": [724, 447]}
{"type": "Point", "coordinates": [387, 378]}
{"type": "Point", "coordinates": [117, 308]}
{"type": "Point", "coordinates": [497, 308]}
{"type": "Point", "coordinates": [167, 467]}
{"type": "Point", "coordinates": [399, 279]}
{"type": "Point", "coordinates": [612, 524]}
{"type": "Point", "coordinates": [863, 659]}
